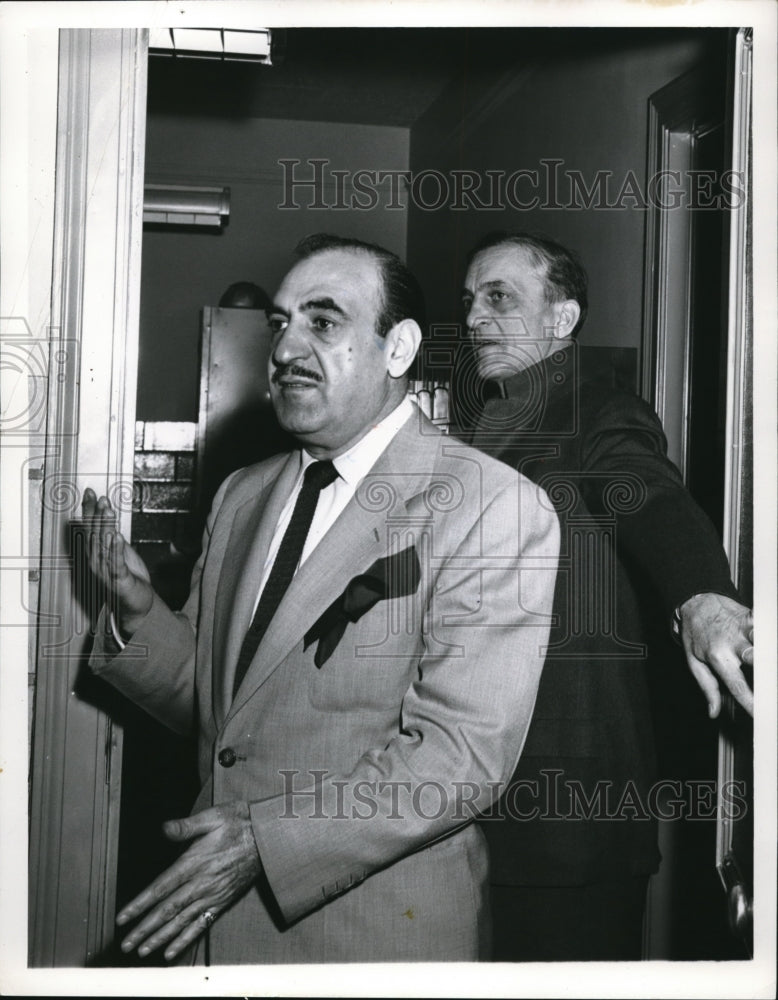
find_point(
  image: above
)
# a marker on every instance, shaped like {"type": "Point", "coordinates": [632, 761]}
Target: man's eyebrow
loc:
{"type": "Point", "coordinates": [324, 303]}
{"type": "Point", "coordinates": [275, 310]}
{"type": "Point", "coordinates": [496, 283]}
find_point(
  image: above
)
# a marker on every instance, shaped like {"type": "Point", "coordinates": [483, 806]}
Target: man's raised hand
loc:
{"type": "Point", "coordinates": [115, 563]}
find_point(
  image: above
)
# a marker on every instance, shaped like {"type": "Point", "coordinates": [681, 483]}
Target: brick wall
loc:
{"type": "Point", "coordinates": [163, 531]}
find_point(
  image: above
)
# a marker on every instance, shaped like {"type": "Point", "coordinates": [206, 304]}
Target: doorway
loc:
{"type": "Point", "coordinates": [693, 355]}
{"type": "Point", "coordinates": [434, 244]}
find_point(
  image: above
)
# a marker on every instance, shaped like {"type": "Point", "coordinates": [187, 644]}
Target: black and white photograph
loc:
{"type": "Point", "coordinates": [388, 473]}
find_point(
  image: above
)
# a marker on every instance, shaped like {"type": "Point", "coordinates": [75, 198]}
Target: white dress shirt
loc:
{"type": "Point", "coordinates": [352, 467]}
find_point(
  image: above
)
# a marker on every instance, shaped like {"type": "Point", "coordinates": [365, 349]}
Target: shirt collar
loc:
{"type": "Point", "coordinates": [353, 465]}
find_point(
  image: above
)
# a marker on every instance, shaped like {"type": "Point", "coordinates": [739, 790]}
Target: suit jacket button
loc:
{"type": "Point", "coordinates": [227, 757]}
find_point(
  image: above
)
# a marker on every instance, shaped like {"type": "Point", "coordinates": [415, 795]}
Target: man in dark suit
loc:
{"type": "Point", "coordinates": [361, 679]}
{"type": "Point", "coordinates": [573, 841]}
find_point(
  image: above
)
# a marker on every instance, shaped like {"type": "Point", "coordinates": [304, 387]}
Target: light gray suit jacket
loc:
{"type": "Point", "coordinates": [363, 774]}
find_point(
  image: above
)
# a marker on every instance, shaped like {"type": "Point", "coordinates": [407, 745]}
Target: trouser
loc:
{"type": "Point", "coordinates": [598, 922]}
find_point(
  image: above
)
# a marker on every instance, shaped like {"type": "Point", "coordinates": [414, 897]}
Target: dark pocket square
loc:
{"type": "Point", "coordinates": [392, 576]}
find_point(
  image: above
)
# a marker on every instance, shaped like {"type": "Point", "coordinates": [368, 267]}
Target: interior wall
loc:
{"type": "Point", "coordinates": [575, 97]}
{"type": "Point", "coordinates": [186, 270]}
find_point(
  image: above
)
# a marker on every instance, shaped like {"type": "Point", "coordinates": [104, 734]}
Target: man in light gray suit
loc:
{"type": "Point", "coordinates": [360, 653]}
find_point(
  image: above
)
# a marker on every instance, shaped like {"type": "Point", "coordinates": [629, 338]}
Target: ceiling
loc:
{"type": "Point", "coordinates": [372, 76]}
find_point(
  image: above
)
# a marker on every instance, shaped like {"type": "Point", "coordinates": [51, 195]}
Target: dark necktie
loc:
{"type": "Point", "coordinates": [317, 477]}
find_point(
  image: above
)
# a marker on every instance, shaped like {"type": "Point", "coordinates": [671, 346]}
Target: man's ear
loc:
{"type": "Point", "coordinates": [402, 343]}
{"type": "Point", "coordinates": [566, 315]}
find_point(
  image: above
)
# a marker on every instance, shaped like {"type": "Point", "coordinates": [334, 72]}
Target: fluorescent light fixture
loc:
{"type": "Point", "coordinates": [247, 44]}
{"type": "Point", "coordinates": [212, 43]}
{"type": "Point", "coordinates": [184, 205]}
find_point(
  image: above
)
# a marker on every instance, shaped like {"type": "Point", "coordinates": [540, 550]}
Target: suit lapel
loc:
{"type": "Point", "coordinates": [252, 531]}
{"type": "Point", "coordinates": [359, 537]}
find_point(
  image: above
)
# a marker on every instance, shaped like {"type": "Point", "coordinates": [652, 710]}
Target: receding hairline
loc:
{"type": "Point", "coordinates": [355, 251]}
{"type": "Point", "coordinates": [352, 251]}
{"type": "Point", "coordinates": [540, 264]}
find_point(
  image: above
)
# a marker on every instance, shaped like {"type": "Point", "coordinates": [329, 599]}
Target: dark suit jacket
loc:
{"type": "Point", "coordinates": [633, 542]}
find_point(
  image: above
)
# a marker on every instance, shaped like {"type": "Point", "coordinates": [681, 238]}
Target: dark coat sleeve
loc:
{"type": "Point", "coordinates": [660, 528]}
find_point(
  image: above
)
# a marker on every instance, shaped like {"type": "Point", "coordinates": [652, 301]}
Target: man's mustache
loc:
{"type": "Point", "coordinates": [282, 371]}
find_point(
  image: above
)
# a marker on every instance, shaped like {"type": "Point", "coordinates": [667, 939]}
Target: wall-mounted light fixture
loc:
{"type": "Point", "coordinates": [213, 43]}
{"type": "Point", "coordinates": [184, 205]}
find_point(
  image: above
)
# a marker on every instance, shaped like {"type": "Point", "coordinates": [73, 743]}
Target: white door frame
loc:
{"type": "Point", "coordinates": [674, 114]}
{"type": "Point", "coordinates": [76, 754]}
{"type": "Point", "coordinates": [739, 400]}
